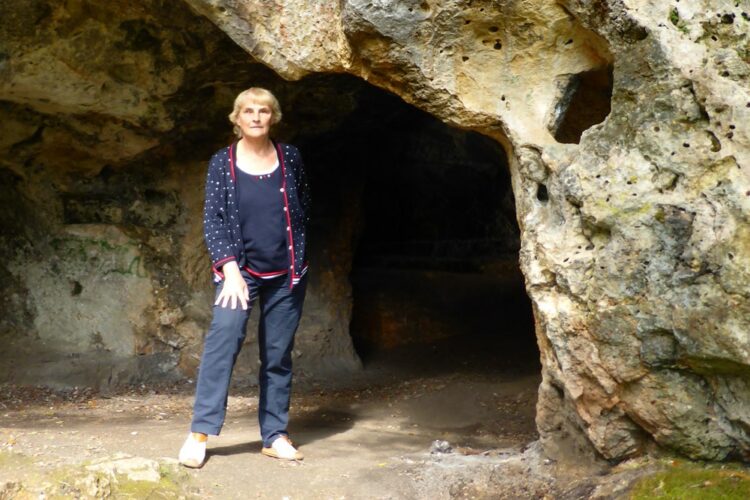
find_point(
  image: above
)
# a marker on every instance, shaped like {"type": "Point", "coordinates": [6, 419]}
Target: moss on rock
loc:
{"type": "Point", "coordinates": [691, 480]}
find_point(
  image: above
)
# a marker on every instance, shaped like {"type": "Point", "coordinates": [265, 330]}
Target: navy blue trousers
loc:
{"type": "Point", "coordinates": [280, 312]}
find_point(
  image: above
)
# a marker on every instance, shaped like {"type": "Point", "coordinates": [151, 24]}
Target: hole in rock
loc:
{"type": "Point", "coordinates": [585, 101]}
{"type": "Point", "coordinates": [541, 193]}
{"type": "Point", "coordinates": [435, 278]}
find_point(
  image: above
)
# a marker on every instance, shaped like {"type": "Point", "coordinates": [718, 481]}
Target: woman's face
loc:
{"type": "Point", "coordinates": [254, 119]}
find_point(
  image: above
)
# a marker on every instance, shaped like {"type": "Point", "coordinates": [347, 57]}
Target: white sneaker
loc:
{"type": "Point", "coordinates": [282, 448]}
{"type": "Point", "coordinates": [193, 452]}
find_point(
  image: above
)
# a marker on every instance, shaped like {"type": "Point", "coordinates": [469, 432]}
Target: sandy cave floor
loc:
{"type": "Point", "coordinates": [368, 436]}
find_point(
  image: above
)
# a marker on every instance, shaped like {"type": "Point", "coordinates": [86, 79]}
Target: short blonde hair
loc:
{"type": "Point", "coordinates": [256, 95]}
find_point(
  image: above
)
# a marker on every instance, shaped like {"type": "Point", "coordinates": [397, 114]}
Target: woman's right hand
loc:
{"type": "Point", "coordinates": [234, 288]}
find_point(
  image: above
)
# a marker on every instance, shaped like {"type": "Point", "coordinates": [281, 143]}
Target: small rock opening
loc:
{"type": "Point", "coordinates": [585, 101]}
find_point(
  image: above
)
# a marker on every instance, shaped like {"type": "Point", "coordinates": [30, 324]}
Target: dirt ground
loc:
{"type": "Point", "coordinates": [450, 420]}
{"type": "Point", "coordinates": [366, 435]}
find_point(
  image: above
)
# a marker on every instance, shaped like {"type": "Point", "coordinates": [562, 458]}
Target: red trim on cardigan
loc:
{"type": "Point", "coordinates": [272, 274]}
{"type": "Point", "coordinates": [231, 161]}
{"type": "Point", "coordinates": [286, 207]}
{"type": "Point", "coordinates": [215, 267]}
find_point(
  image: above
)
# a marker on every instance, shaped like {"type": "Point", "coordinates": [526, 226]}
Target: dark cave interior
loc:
{"type": "Point", "coordinates": [435, 258]}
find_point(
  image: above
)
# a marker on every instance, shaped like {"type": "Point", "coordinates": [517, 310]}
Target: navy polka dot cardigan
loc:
{"type": "Point", "coordinates": [221, 216]}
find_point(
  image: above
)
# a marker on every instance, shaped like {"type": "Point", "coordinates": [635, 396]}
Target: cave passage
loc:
{"type": "Point", "coordinates": [435, 278]}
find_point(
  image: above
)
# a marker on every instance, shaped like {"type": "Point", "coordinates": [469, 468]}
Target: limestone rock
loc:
{"type": "Point", "coordinates": [94, 486]}
{"type": "Point", "coordinates": [276, 34]}
{"type": "Point", "coordinates": [105, 274]}
{"type": "Point", "coordinates": [9, 489]}
{"type": "Point", "coordinates": [132, 468]}
{"type": "Point", "coordinates": [634, 239]}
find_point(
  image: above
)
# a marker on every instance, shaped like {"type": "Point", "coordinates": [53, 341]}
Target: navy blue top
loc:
{"type": "Point", "coordinates": [263, 222]}
{"type": "Point", "coordinates": [221, 212]}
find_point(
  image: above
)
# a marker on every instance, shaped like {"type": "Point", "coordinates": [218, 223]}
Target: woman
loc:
{"type": "Point", "coordinates": [255, 214]}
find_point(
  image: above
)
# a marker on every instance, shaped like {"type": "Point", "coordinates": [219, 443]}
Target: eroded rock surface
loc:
{"type": "Point", "coordinates": [105, 277]}
{"type": "Point", "coordinates": [635, 232]}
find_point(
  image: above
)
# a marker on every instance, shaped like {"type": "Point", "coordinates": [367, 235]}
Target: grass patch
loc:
{"type": "Point", "coordinates": [674, 17]}
{"type": "Point", "coordinates": [11, 460]}
{"type": "Point", "coordinates": [691, 481]}
{"type": "Point", "coordinates": [166, 489]}
{"type": "Point", "coordinates": [74, 481]}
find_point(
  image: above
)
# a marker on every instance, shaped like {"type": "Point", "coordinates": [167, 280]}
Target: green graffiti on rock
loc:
{"type": "Point", "coordinates": [100, 256]}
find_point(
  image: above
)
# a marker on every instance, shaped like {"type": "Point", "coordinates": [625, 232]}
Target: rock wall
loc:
{"type": "Point", "coordinates": [108, 116]}
{"type": "Point", "coordinates": [647, 326]}
{"type": "Point", "coordinates": [635, 234]}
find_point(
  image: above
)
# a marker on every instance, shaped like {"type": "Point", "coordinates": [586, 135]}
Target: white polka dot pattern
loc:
{"type": "Point", "coordinates": [221, 218]}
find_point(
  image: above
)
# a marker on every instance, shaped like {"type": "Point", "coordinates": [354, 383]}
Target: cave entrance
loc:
{"type": "Point", "coordinates": [436, 284]}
